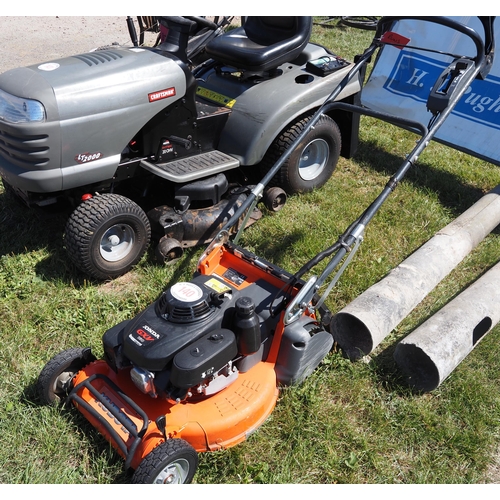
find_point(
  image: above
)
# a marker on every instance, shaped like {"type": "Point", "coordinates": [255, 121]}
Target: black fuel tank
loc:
{"type": "Point", "coordinates": [203, 358]}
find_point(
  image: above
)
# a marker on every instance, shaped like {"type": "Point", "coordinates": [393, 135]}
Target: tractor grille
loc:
{"type": "Point", "coordinates": [28, 151]}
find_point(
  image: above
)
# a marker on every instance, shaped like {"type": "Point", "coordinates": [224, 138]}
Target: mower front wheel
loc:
{"type": "Point", "coordinates": [54, 381]}
{"type": "Point", "coordinates": [107, 235]}
{"type": "Point", "coordinates": [173, 462]}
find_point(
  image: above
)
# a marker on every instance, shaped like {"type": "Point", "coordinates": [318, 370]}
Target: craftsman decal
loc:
{"type": "Point", "coordinates": [414, 75]}
{"type": "Point", "coordinates": [161, 94]}
{"type": "Point", "coordinates": [86, 157]}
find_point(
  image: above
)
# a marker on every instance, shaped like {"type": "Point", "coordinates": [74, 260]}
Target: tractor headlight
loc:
{"type": "Point", "coordinates": [15, 109]}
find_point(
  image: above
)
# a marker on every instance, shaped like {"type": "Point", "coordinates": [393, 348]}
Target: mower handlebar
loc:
{"type": "Point", "coordinates": [483, 47]}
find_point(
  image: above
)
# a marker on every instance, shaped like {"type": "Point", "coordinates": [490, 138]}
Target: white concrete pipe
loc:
{"type": "Point", "coordinates": [433, 350]}
{"type": "Point", "coordinates": [368, 319]}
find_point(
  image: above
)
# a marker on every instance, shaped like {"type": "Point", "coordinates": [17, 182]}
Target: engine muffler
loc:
{"type": "Point", "coordinates": [432, 351]}
{"type": "Point", "coordinates": [368, 319]}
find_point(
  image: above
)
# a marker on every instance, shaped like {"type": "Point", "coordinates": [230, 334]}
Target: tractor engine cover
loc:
{"type": "Point", "coordinates": [117, 90]}
{"type": "Point", "coordinates": [203, 358]}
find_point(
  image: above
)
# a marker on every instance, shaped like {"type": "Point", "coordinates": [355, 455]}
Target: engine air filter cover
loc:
{"type": "Point", "coordinates": [185, 302]}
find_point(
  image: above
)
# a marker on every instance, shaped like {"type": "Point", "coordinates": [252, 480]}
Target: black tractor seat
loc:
{"type": "Point", "coordinates": [262, 43]}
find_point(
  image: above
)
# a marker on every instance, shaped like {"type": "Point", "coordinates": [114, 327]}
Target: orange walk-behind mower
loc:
{"type": "Point", "coordinates": [201, 368]}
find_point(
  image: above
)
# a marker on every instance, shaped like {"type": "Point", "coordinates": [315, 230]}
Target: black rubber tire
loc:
{"type": "Point", "coordinates": [168, 250]}
{"type": "Point", "coordinates": [173, 462]}
{"type": "Point", "coordinates": [103, 215]}
{"type": "Point", "coordinates": [54, 380]}
{"type": "Point", "coordinates": [325, 134]}
{"type": "Point", "coordinates": [274, 199]}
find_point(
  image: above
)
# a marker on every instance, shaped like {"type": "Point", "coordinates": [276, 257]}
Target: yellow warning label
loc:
{"type": "Point", "coordinates": [216, 97]}
{"type": "Point", "coordinates": [217, 286]}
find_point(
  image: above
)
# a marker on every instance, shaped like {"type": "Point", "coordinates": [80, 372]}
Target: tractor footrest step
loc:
{"type": "Point", "coordinates": [193, 167]}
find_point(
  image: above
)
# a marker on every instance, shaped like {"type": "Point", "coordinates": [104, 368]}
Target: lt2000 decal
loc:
{"type": "Point", "coordinates": [86, 157]}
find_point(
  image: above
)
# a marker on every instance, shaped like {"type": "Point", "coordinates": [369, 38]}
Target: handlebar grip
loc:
{"type": "Point", "coordinates": [386, 21]}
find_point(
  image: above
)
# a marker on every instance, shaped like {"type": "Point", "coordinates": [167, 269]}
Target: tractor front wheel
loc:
{"type": "Point", "coordinates": [107, 235]}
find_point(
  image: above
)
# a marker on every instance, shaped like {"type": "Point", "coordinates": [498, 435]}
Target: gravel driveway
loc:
{"type": "Point", "coordinates": [30, 40]}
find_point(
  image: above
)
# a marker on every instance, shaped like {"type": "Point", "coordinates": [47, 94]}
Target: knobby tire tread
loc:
{"type": "Point", "coordinates": [54, 367]}
{"type": "Point", "coordinates": [142, 474]}
{"type": "Point", "coordinates": [83, 223]}
{"type": "Point", "coordinates": [282, 142]}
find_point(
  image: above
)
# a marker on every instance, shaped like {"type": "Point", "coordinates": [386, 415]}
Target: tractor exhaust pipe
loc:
{"type": "Point", "coordinates": [432, 351]}
{"type": "Point", "coordinates": [368, 319]}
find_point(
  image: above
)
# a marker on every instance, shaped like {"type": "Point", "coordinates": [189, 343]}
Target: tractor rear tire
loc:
{"type": "Point", "coordinates": [312, 163]}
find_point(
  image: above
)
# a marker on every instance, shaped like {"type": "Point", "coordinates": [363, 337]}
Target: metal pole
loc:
{"type": "Point", "coordinates": [368, 319]}
{"type": "Point", "coordinates": [431, 352]}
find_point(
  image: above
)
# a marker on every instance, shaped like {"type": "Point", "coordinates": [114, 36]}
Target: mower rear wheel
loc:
{"type": "Point", "coordinates": [54, 381]}
{"type": "Point", "coordinates": [173, 462]}
{"type": "Point", "coordinates": [274, 199]}
{"type": "Point", "coordinates": [168, 251]}
{"type": "Point", "coordinates": [107, 235]}
{"type": "Point", "coordinates": [312, 163]}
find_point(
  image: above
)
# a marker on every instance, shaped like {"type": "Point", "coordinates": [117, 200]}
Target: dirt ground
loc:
{"type": "Point", "coordinates": [30, 40]}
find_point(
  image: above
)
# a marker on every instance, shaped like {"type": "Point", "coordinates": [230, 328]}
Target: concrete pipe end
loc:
{"type": "Point", "coordinates": [420, 371]}
{"type": "Point", "coordinates": [352, 335]}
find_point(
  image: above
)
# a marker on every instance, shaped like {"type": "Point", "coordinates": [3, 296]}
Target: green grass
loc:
{"type": "Point", "coordinates": [348, 422]}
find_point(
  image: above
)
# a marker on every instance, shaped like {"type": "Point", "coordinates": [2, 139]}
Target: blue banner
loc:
{"type": "Point", "coordinates": [403, 77]}
{"type": "Point", "coordinates": [413, 76]}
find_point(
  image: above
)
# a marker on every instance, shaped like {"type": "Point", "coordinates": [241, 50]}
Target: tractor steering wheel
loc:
{"type": "Point", "coordinates": [201, 21]}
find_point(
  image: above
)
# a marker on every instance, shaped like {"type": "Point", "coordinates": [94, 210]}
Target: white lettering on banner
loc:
{"type": "Point", "coordinates": [481, 103]}
{"type": "Point", "coordinates": [417, 77]}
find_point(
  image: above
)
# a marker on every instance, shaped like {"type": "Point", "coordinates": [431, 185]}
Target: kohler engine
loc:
{"type": "Point", "coordinates": [193, 340]}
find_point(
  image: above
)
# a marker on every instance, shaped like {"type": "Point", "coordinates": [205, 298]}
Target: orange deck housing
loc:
{"type": "Point", "coordinates": [208, 423]}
